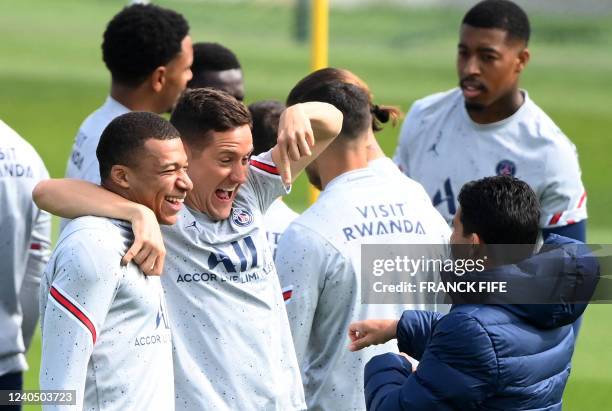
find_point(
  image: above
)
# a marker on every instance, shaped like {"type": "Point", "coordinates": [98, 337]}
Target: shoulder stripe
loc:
{"type": "Point", "coordinates": [555, 218]}
{"type": "Point", "coordinates": [74, 310]}
{"type": "Point", "coordinates": [265, 167]}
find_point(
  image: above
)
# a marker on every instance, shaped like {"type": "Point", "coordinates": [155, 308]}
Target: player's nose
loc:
{"type": "Point", "coordinates": [184, 182]}
{"type": "Point", "coordinates": [471, 67]}
{"type": "Point", "coordinates": [239, 174]}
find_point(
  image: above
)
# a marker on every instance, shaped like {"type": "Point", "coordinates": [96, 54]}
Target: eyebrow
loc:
{"type": "Point", "coordinates": [168, 165]}
{"type": "Point", "coordinates": [232, 152]}
{"type": "Point", "coordinates": [480, 49]}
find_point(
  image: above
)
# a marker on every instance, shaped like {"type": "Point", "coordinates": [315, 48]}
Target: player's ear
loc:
{"type": "Point", "coordinates": [119, 176]}
{"type": "Point", "coordinates": [476, 245]}
{"type": "Point", "coordinates": [475, 239]}
{"type": "Point", "coordinates": [523, 59]}
{"type": "Point", "coordinates": [158, 78]}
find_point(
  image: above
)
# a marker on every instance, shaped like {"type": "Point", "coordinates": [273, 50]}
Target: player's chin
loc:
{"type": "Point", "coordinates": [225, 212]}
{"type": "Point", "coordinates": [220, 211]}
{"type": "Point", "coordinates": [475, 104]}
{"type": "Point", "coordinates": [168, 219]}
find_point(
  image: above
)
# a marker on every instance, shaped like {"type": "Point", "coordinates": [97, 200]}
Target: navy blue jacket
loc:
{"type": "Point", "coordinates": [481, 357]}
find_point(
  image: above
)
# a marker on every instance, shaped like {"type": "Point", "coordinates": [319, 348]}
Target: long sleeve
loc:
{"type": "Point", "coordinates": [38, 256]}
{"type": "Point", "coordinates": [414, 330]}
{"type": "Point", "coordinates": [406, 139]}
{"type": "Point", "coordinates": [78, 296]}
{"type": "Point", "coordinates": [457, 371]}
{"type": "Point", "coordinates": [302, 264]}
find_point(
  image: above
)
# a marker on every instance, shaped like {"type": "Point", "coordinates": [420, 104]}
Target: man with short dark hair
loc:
{"type": "Point", "coordinates": [147, 50]}
{"type": "Point", "coordinates": [489, 126]}
{"type": "Point", "coordinates": [230, 326]}
{"type": "Point", "coordinates": [318, 256]}
{"type": "Point", "coordinates": [483, 356]}
{"type": "Point", "coordinates": [105, 328]}
{"type": "Point", "coordinates": [216, 66]}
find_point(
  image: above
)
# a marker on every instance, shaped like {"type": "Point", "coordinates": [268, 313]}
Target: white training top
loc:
{"type": "Point", "coordinates": [24, 247]}
{"type": "Point", "coordinates": [319, 264]}
{"type": "Point", "coordinates": [105, 327]}
{"type": "Point", "coordinates": [276, 220]}
{"type": "Point", "coordinates": [83, 163]}
{"type": "Point", "coordinates": [442, 148]}
{"type": "Point", "coordinates": [232, 341]}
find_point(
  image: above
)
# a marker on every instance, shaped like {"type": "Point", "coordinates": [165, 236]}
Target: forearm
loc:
{"type": "Point", "coordinates": [29, 306]}
{"type": "Point", "coordinates": [325, 120]}
{"type": "Point", "coordinates": [414, 330]}
{"type": "Point", "coordinates": [64, 343]}
{"type": "Point", "coordinates": [70, 198]}
{"type": "Point", "coordinates": [38, 256]}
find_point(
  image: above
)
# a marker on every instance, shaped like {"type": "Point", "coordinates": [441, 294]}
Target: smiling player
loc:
{"type": "Point", "coordinates": [231, 335]}
{"type": "Point", "coordinates": [105, 328]}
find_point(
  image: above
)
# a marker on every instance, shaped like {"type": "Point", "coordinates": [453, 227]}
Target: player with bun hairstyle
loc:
{"type": "Point", "coordinates": [318, 256]}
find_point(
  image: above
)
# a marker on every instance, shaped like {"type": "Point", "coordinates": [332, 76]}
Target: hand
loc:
{"type": "Point", "coordinates": [411, 360]}
{"type": "Point", "coordinates": [371, 332]}
{"type": "Point", "coordinates": [148, 250]}
{"type": "Point", "coordinates": [295, 138]}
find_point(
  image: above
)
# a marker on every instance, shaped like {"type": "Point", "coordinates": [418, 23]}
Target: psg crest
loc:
{"type": "Point", "coordinates": [242, 217]}
{"type": "Point", "coordinates": [505, 168]}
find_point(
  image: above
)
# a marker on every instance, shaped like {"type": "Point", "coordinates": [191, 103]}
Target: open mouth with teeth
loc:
{"type": "Point", "coordinates": [224, 194]}
{"type": "Point", "coordinates": [175, 202]}
{"type": "Point", "coordinates": [472, 89]}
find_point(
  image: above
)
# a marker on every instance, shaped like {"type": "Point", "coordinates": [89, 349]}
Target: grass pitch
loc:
{"type": "Point", "coordinates": [52, 76]}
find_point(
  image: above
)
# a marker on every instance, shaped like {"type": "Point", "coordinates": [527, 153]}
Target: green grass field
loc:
{"type": "Point", "coordinates": [52, 76]}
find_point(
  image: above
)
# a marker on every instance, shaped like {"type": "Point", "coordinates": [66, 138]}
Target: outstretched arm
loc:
{"type": "Point", "coordinates": [304, 131]}
{"type": "Point", "coordinates": [371, 332]}
{"type": "Point", "coordinates": [72, 198]}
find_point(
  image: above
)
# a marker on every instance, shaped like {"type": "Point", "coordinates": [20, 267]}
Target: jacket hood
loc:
{"type": "Point", "coordinates": [550, 289]}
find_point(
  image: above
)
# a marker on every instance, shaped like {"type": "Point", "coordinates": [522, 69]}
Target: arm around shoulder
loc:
{"type": "Point", "coordinates": [71, 198]}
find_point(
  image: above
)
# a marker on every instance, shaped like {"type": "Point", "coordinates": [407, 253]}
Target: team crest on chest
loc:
{"type": "Point", "coordinates": [242, 217]}
{"type": "Point", "coordinates": [505, 168]}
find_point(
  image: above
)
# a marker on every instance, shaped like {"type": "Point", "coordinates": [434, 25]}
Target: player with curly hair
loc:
{"type": "Point", "coordinates": [148, 51]}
